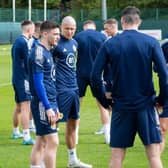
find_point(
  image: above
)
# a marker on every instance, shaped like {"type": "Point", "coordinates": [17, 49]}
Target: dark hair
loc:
{"type": "Point", "coordinates": [37, 26]}
{"type": "Point", "coordinates": [111, 21]}
{"type": "Point", "coordinates": [131, 15]}
{"type": "Point", "coordinates": [131, 10]}
{"type": "Point", "coordinates": [26, 22]}
{"type": "Point", "coordinates": [48, 25]}
{"type": "Point", "coordinates": [89, 22]}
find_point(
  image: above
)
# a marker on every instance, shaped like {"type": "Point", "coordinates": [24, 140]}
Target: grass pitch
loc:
{"type": "Point", "coordinates": [91, 148]}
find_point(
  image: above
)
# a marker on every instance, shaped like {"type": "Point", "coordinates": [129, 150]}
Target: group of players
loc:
{"type": "Point", "coordinates": [58, 84]}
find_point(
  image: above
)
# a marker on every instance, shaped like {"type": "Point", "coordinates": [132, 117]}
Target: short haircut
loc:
{"type": "Point", "coordinates": [111, 21]}
{"type": "Point", "coordinates": [131, 15]}
{"type": "Point", "coordinates": [47, 26]}
{"type": "Point", "coordinates": [130, 10]}
{"type": "Point", "coordinates": [89, 22]}
{"type": "Point", "coordinates": [26, 22]}
{"type": "Point", "coordinates": [38, 23]}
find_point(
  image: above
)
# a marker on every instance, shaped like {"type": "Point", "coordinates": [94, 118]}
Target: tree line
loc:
{"type": "Point", "coordinates": [85, 4]}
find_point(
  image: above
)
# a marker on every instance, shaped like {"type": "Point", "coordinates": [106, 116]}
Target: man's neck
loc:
{"type": "Point", "coordinates": [26, 35]}
{"type": "Point", "coordinates": [130, 27]}
{"type": "Point", "coordinates": [45, 44]}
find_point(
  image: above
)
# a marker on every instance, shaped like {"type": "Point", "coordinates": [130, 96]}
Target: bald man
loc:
{"type": "Point", "coordinates": [66, 85]}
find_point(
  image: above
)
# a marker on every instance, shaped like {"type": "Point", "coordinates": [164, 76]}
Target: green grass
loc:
{"type": "Point", "coordinates": [91, 148]}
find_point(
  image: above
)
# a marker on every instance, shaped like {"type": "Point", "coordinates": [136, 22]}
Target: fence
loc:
{"type": "Point", "coordinates": [153, 18]}
{"type": "Point", "coordinates": [6, 14]}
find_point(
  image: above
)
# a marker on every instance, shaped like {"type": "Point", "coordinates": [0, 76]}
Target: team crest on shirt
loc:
{"type": "Point", "coordinates": [70, 60]}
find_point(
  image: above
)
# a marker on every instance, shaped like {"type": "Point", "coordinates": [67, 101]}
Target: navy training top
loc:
{"type": "Point", "coordinates": [89, 42]}
{"type": "Point", "coordinates": [64, 55]}
{"type": "Point", "coordinates": [41, 62]}
{"type": "Point", "coordinates": [130, 55]}
{"type": "Point", "coordinates": [20, 51]}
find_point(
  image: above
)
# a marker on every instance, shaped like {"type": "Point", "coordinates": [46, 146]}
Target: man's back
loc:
{"type": "Point", "coordinates": [131, 54]}
{"type": "Point", "coordinates": [164, 46]}
{"type": "Point", "coordinates": [89, 42]}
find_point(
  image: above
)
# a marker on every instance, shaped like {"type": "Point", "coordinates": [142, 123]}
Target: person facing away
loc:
{"type": "Point", "coordinates": [44, 104]}
{"type": "Point", "coordinates": [20, 51]}
{"type": "Point", "coordinates": [131, 55]}
{"type": "Point", "coordinates": [89, 41]}
{"type": "Point", "coordinates": [66, 85]}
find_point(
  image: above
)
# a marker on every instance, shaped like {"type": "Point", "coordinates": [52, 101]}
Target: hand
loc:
{"type": "Point", "coordinates": [159, 107]}
{"type": "Point", "coordinates": [108, 95]}
{"type": "Point", "coordinates": [59, 116]}
{"type": "Point", "coordinates": [51, 116]}
{"type": "Point", "coordinates": [164, 126]}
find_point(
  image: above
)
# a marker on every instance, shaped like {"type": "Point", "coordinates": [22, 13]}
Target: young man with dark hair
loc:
{"type": "Point", "coordinates": [131, 55]}
{"type": "Point", "coordinates": [44, 104]}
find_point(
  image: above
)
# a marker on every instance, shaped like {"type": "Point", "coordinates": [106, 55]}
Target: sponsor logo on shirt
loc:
{"type": "Point", "coordinates": [70, 60]}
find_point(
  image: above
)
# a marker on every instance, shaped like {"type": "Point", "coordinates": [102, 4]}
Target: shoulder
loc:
{"type": "Point", "coordinates": [74, 41]}
{"type": "Point", "coordinates": [164, 43]}
{"type": "Point", "coordinates": [20, 41]}
{"type": "Point", "coordinates": [79, 34]}
{"type": "Point", "coordinates": [38, 51]}
{"type": "Point", "coordinates": [57, 49]}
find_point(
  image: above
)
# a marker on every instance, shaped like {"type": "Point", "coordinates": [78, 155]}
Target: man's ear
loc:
{"type": "Point", "coordinates": [139, 22]}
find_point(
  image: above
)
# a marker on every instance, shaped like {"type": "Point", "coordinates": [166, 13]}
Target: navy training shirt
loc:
{"type": "Point", "coordinates": [130, 55]}
{"type": "Point", "coordinates": [41, 61]}
{"type": "Point", "coordinates": [89, 42]}
{"type": "Point", "coordinates": [165, 50]}
{"type": "Point", "coordinates": [64, 55]}
{"type": "Point", "coordinates": [20, 51]}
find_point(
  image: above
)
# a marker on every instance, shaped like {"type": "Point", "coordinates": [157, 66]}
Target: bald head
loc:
{"type": "Point", "coordinates": [68, 27]}
{"type": "Point", "coordinates": [68, 20]}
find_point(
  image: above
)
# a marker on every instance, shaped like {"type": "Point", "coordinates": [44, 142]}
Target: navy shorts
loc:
{"type": "Point", "coordinates": [125, 125]}
{"type": "Point", "coordinates": [68, 104]}
{"type": "Point", "coordinates": [43, 127]}
{"type": "Point", "coordinates": [22, 92]}
{"type": "Point", "coordinates": [83, 82]}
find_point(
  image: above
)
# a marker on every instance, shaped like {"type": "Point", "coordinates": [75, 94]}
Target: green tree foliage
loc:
{"type": "Point", "coordinates": [87, 4]}
{"type": "Point", "coordinates": [140, 3]}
